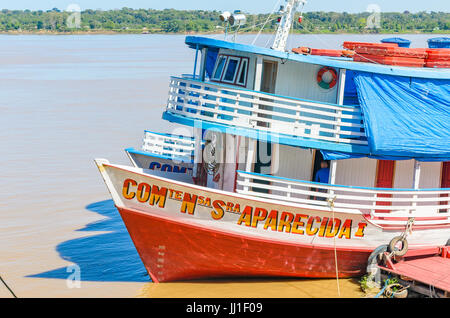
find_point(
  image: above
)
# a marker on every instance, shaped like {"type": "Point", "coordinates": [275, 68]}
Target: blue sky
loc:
{"type": "Point", "coordinates": [254, 6]}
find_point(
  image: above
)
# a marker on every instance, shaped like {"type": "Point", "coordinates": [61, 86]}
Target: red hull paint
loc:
{"type": "Point", "coordinates": [172, 250]}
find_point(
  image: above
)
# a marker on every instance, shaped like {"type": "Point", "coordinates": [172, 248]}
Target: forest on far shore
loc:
{"type": "Point", "coordinates": [127, 20]}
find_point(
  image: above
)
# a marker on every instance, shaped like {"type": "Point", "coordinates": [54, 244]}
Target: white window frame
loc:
{"type": "Point", "coordinates": [217, 65]}
{"type": "Point", "coordinates": [229, 58]}
{"type": "Point", "coordinates": [243, 69]}
{"type": "Point", "coordinates": [237, 73]}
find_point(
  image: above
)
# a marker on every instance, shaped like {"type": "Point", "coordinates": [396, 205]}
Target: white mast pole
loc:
{"type": "Point", "coordinates": [286, 21]}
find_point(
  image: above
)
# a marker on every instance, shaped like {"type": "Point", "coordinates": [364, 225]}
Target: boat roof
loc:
{"type": "Point", "coordinates": [337, 62]}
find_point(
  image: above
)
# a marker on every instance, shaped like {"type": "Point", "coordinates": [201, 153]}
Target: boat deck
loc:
{"type": "Point", "coordinates": [430, 267]}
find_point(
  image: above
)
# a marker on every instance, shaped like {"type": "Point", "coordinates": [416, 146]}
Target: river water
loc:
{"type": "Point", "coordinates": [65, 100]}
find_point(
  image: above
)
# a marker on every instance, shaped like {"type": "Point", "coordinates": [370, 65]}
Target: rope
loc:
{"type": "Point", "coordinates": [384, 288]}
{"type": "Point", "coordinates": [267, 20]}
{"type": "Point", "coordinates": [270, 39]}
{"type": "Point", "coordinates": [215, 33]}
{"type": "Point", "coordinates": [6, 285]}
{"type": "Point", "coordinates": [331, 205]}
{"type": "Point", "coordinates": [256, 25]}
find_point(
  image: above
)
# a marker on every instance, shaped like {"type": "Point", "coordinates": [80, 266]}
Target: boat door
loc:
{"type": "Point", "coordinates": [385, 179]}
{"type": "Point", "coordinates": [263, 161]}
{"type": "Point", "coordinates": [269, 76]}
{"type": "Point", "coordinates": [445, 180]}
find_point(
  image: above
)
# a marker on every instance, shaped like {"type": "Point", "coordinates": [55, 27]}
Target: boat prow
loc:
{"type": "Point", "coordinates": [185, 231]}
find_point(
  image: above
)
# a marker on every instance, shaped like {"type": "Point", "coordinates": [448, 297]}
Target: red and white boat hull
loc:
{"type": "Point", "coordinates": [184, 231]}
{"type": "Point", "coordinates": [173, 250]}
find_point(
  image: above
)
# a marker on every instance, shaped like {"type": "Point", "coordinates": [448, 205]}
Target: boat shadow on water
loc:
{"type": "Point", "coordinates": [106, 257]}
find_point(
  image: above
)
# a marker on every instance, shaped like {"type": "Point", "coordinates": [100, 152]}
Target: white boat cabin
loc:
{"type": "Point", "coordinates": [268, 118]}
{"type": "Point", "coordinates": [288, 79]}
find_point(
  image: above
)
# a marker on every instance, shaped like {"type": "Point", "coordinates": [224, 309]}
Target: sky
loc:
{"type": "Point", "coordinates": [252, 6]}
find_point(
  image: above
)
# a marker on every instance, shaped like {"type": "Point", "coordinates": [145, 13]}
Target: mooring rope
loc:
{"type": "Point", "coordinates": [331, 204]}
{"type": "Point", "coordinates": [6, 285]}
{"type": "Point", "coordinates": [267, 20]}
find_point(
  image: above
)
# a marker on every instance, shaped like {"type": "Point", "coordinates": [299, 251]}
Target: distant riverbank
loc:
{"type": "Point", "coordinates": [171, 21]}
{"type": "Point", "coordinates": [115, 32]}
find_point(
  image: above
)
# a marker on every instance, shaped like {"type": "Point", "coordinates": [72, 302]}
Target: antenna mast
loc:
{"type": "Point", "coordinates": [284, 27]}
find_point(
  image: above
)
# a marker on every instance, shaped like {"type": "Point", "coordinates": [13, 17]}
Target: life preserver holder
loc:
{"type": "Point", "coordinates": [320, 80]}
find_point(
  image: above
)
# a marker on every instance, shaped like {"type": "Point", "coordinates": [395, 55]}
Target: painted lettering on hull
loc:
{"type": "Point", "coordinates": [249, 216]}
{"type": "Point", "coordinates": [165, 167]}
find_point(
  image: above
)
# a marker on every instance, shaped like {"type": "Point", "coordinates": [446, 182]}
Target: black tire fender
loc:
{"type": "Point", "coordinates": [394, 242]}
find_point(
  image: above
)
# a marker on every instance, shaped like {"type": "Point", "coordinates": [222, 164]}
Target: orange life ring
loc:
{"type": "Point", "coordinates": [305, 50]}
{"type": "Point", "coordinates": [324, 84]}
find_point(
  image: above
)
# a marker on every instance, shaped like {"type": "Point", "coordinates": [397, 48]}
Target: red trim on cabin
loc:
{"type": "Point", "coordinates": [445, 179]}
{"type": "Point", "coordinates": [385, 179]}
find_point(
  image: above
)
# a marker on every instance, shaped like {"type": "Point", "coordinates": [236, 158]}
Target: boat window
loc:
{"type": "Point", "coordinates": [231, 70]}
{"type": "Point", "coordinates": [243, 73]}
{"type": "Point", "coordinates": [232, 67]}
{"type": "Point", "coordinates": [219, 68]}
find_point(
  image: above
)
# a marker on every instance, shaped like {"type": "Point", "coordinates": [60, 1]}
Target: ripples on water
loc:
{"type": "Point", "coordinates": [65, 100]}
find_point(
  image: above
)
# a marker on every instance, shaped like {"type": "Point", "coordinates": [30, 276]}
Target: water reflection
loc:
{"type": "Point", "coordinates": [106, 257]}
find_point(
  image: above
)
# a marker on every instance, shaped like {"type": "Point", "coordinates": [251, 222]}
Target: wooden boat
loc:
{"type": "Point", "coordinates": [263, 120]}
{"type": "Point", "coordinates": [185, 231]}
{"type": "Point", "coordinates": [164, 152]}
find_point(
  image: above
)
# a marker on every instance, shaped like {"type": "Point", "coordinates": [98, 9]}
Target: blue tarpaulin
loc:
{"type": "Point", "coordinates": [441, 42]}
{"type": "Point", "coordinates": [350, 92]}
{"type": "Point", "coordinates": [211, 57]}
{"type": "Point", "coordinates": [401, 42]}
{"type": "Point", "coordinates": [404, 117]}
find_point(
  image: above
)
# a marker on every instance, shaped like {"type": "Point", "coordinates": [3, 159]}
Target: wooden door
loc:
{"type": "Point", "coordinates": [445, 181]}
{"type": "Point", "coordinates": [385, 179]}
{"type": "Point", "coordinates": [269, 76]}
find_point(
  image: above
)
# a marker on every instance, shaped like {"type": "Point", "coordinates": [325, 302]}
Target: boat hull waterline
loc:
{"type": "Point", "coordinates": [183, 231]}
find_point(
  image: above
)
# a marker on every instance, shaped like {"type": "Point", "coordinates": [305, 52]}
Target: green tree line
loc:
{"type": "Point", "coordinates": [129, 20]}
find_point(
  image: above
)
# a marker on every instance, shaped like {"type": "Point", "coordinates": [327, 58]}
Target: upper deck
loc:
{"type": "Point", "coordinates": [280, 119]}
{"type": "Point", "coordinates": [197, 42]}
{"type": "Point", "coordinates": [284, 98]}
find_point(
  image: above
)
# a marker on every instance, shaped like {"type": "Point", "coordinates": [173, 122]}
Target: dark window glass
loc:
{"type": "Point", "coordinates": [243, 74]}
{"type": "Point", "coordinates": [231, 69]}
{"type": "Point", "coordinates": [219, 68]}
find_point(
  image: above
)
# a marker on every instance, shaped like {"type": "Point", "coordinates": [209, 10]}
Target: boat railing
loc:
{"type": "Point", "coordinates": [385, 206]}
{"type": "Point", "coordinates": [173, 146]}
{"type": "Point", "coordinates": [243, 108]}
{"type": "Point", "coordinates": [190, 76]}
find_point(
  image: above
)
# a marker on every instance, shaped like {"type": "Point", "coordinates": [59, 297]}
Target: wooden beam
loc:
{"type": "Point", "coordinates": [198, 150]}
{"type": "Point", "coordinates": [416, 178]}
{"type": "Point", "coordinates": [258, 73]}
{"type": "Point", "coordinates": [341, 87]}
{"type": "Point", "coordinates": [332, 177]}
{"type": "Point", "coordinates": [251, 152]}
{"type": "Point", "coordinates": [203, 64]}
